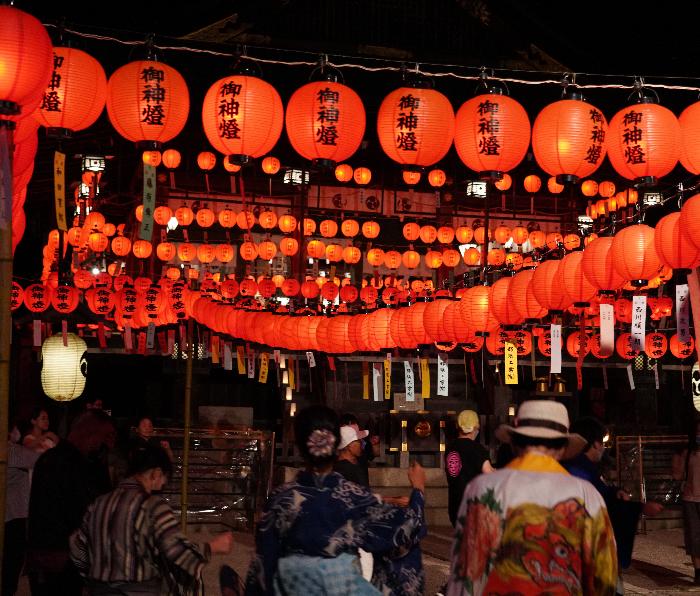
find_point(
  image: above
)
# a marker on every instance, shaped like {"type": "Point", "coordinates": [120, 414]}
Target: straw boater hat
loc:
{"type": "Point", "coordinates": [543, 419]}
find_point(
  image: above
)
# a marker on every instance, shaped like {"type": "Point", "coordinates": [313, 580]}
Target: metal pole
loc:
{"type": "Point", "coordinates": [5, 316]}
{"type": "Point", "coordinates": [186, 430]}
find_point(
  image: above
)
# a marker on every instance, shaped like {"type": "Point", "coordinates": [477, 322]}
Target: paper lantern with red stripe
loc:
{"type": "Point", "coordinates": [416, 126]}
{"type": "Point", "coordinates": [568, 139]}
{"type": "Point", "coordinates": [573, 281]}
{"type": "Point", "coordinates": [147, 101]}
{"type": "Point", "coordinates": [644, 141]}
{"type": "Point", "coordinates": [242, 117]}
{"type": "Point", "coordinates": [325, 121]}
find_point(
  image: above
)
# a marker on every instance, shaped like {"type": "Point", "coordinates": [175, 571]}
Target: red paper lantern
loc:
{"type": "Point", "coordinates": [451, 257]}
{"type": "Point", "coordinates": [121, 246]}
{"type": "Point", "coordinates": [205, 218]}
{"type": "Point", "coordinates": [501, 305]}
{"type": "Point", "coordinates": [689, 122]}
{"type": "Point", "coordinates": [334, 253]}
{"type": "Point", "coordinates": [369, 295]}
{"type": "Point", "coordinates": [433, 317]}
{"type": "Point", "coordinates": [572, 241]}
{"type": "Point", "coordinates": [634, 255]}
{"type": "Point", "coordinates": [416, 126]}
{"type": "Point", "coordinates": [329, 291]}
{"type": "Point", "coordinates": [553, 186]}
{"type": "Point", "coordinates": [328, 228]}
{"type": "Point", "coordinates": [268, 219]}
{"type": "Point", "coordinates": [623, 347]}
{"type": "Point", "coordinates": [673, 247]}
{"type": "Point", "coordinates": [428, 234]}
{"type": "Point", "coordinates": [242, 116]}
{"type": "Point", "coordinates": [267, 250]}
{"type": "Point", "coordinates": [310, 289]}
{"type": "Point", "coordinates": [410, 259]}
{"type": "Point", "coordinates": [504, 183]}
{"type": "Point", "coordinates": [546, 288]}
{"type": "Point", "coordinates": [644, 141]}
{"type": "Point", "coordinates": [568, 139]}
{"type": "Point", "coordinates": [437, 178]}
{"type": "Point", "coordinates": [472, 257]}
{"type": "Point", "coordinates": [230, 167]}
{"type": "Point", "coordinates": [411, 177]}
{"type": "Point", "coordinates": [598, 267]}
{"type": "Point", "coordinates": [492, 134]}
{"type": "Point", "coordinates": [162, 215]}
{"type": "Point", "coordinates": [573, 281]}
{"type": "Point", "coordinates": [37, 297]}
{"type": "Point", "coordinates": [186, 252]}
{"type": "Point", "coordinates": [576, 342]}
{"type": "Point", "coordinates": [362, 176]}
{"type": "Point", "coordinates": [287, 223]}
{"type": "Point", "coordinates": [142, 249]}
{"type": "Point", "coordinates": [225, 253]}
{"type": "Point", "coordinates": [475, 309]}
{"type": "Point", "coordinates": [245, 220]}
{"type": "Point", "coordinates": [349, 293]}
{"type": "Point", "coordinates": [349, 228]}
{"type": "Point", "coordinates": [524, 301]}
{"type": "Point", "coordinates": [289, 247]}
{"type": "Point", "coordinates": [370, 229]}
{"type": "Point", "coordinates": [589, 188]}
{"type": "Point", "coordinates": [496, 257]}
{"type": "Point", "coordinates": [184, 216]}
{"type": "Point", "coordinates": [680, 349]}
{"type": "Point", "coordinates": [690, 220]}
{"type": "Point", "coordinates": [411, 231]}
{"type": "Point", "coordinates": [656, 345]}
{"type": "Point", "coordinates": [248, 251]}
{"type": "Point", "coordinates": [392, 259]}
{"type": "Point", "coordinates": [16, 296]}
{"type": "Point", "coordinates": [290, 287]}
{"type": "Point", "coordinates": [343, 172]}
{"type": "Point", "coordinates": [325, 121]}
{"type": "Point", "coordinates": [171, 158]}
{"type": "Point", "coordinates": [100, 300]}
{"type": "Point", "coordinates": [433, 259]}
{"type": "Point", "coordinates": [147, 101]}
{"type": "Point", "coordinates": [267, 288]}
{"type": "Point", "coordinates": [270, 165]}
{"type": "Point", "coordinates": [463, 234]}
{"type": "Point", "coordinates": [248, 287]}
{"type": "Point", "coordinates": [520, 235]}
{"type": "Point", "coordinates": [206, 160]}
{"type": "Point", "coordinates": [532, 183]}
{"type": "Point", "coordinates": [352, 255]}
{"type": "Point", "coordinates": [76, 94]}
{"type": "Point", "coordinates": [375, 257]}
{"type": "Point", "coordinates": [316, 249]}
{"type": "Point", "coordinates": [502, 234]}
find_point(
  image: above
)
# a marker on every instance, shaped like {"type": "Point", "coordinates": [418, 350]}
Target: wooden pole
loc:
{"type": "Point", "coordinates": [186, 431]}
{"type": "Point", "coordinates": [5, 315]}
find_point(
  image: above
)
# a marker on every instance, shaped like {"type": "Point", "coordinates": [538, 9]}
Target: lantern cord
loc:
{"type": "Point", "coordinates": [389, 65]}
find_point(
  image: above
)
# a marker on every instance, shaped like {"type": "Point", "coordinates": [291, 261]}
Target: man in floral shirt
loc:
{"type": "Point", "coordinates": [532, 528]}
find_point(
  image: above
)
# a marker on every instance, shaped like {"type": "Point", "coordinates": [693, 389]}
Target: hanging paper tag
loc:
{"type": "Point", "coordinates": [228, 357]}
{"type": "Point", "coordinates": [443, 375]}
{"type": "Point", "coordinates": [276, 355]}
{"type": "Point", "coordinates": [128, 340]}
{"type": "Point", "coordinates": [251, 364]}
{"type": "Point", "coordinates": [149, 202]}
{"type": "Point", "coordinates": [64, 332]}
{"type": "Point", "coordinates": [387, 379]}
{"type": "Point", "coordinates": [425, 378]}
{"type": "Point", "coordinates": [365, 380]}
{"type": "Point", "coordinates": [639, 319]}
{"type": "Point", "coordinates": [150, 336]}
{"type": "Point", "coordinates": [36, 328]}
{"type": "Point", "coordinates": [409, 381]}
{"type": "Point", "coordinates": [607, 329]}
{"type": "Point", "coordinates": [555, 358]}
{"type": "Point", "coordinates": [59, 189]}
{"type": "Point", "coordinates": [5, 179]}
{"type": "Point", "coordinates": [264, 365]}
{"type": "Point", "coordinates": [171, 340]}
{"type": "Point", "coordinates": [630, 377]}
{"type": "Point", "coordinates": [311, 360]}
{"type": "Point", "coordinates": [215, 343]}
{"type": "Point", "coordinates": [101, 340]}
{"type": "Point", "coordinates": [292, 375]}
{"type": "Point", "coordinates": [656, 374]}
{"type": "Point", "coordinates": [582, 347]}
{"type": "Point", "coordinates": [240, 356]}
{"type": "Point", "coordinates": [682, 313]}
{"type": "Point", "coordinates": [511, 363]}
{"type": "Point", "coordinates": [162, 343]}
{"type": "Point", "coordinates": [376, 380]}
{"type": "Point", "coordinates": [141, 349]}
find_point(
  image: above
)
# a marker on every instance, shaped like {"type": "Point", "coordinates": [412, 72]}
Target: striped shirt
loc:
{"type": "Point", "coordinates": [129, 535]}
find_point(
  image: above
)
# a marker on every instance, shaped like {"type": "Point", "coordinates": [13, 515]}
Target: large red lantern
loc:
{"type": "Point", "coordinates": [573, 281]}
{"type": "Point", "coordinates": [634, 255]}
{"type": "Point", "coordinates": [25, 60]}
{"type": "Point", "coordinates": [501, 305]}
{"type": "Point", "coordinates": [673, 247]}
{"type": "Point", "coordinates": [568, 139]}
{"type": "Point", "coordinates": [644, 141]}
{"type": "Point", "coordinates": [325, 121]}
{"type": "Point", "coordinates": [147, 101]}
{"type": "Point", "coordinates": [242, 117]}
{"type": "Point", "coordinates": [690, 219]}
{"type": "Point", "coordinates": [416, 126]}
{"type": "Point", "coordinates": [76, 94]}
{"type": "Point", "coordinates": [689, 121]}
{"type": "Point", "coordinates": [475, 309]}
{"type": "Point", "coordinates": [598, 267]}
{"type": "Point", "coordinates": [523, 299]}
{"type": "Point", "coordinates": [492, 134]}
{"type": "Point", "coordinates": [547, 289]}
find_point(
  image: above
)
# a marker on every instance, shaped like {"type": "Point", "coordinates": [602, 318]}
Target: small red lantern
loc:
{"type": "Point", "coordinates": [316, 249]}
{"type": "Point", "coordinates": [121, 246]}
{"type": "Point", "coordinates": [428, 234]}
{"type": "Point", "coordinates": [673, 247]}
{"type": "Point", "coordinates": [245, 220]}
{"type": "Point", "coordinates": [370, 229]}
{"type": "Point", "coordinates": [410, 259]}
{"type": "Point", "coordinates": [464, 234]}
{"type": "Point", "coordinates": [171, 158]}
{"type": "Point", "coordinates": [37, 297]}
{"type": "Point", "coordinates": [553, 186]}
{"type": "Point", "coordinates": [289, 247]}
{"type": "Point", "coordinates": [267, 250]}
{"type": "Point", "coordinates": [416, 126]}
{"type": "Point", "coordinates": [224, 253]}
{"type": "Point", "coordinates": [162, 215]}
{"type": "Point", "coordinates": [248, 251]}
{"type": "Point", "coordinates": [411, 177]}
{"type": "Point", "coordinates": [504, 183]}
{"type": "Point", "coordinates": [287, 223]}
{"type": "Point", "coordinates": [411, 231]}
{"type": "Point", "coordinates": [343, 172]}
{"type": "Point", "coordinates": [589, 188]}
{"type": "Point", "coordinates": [352, 255]}
{"type": "Point", "coordinates": [502, 234]}
{"type": "Point", "coordinates": [375, 257]}
{"type": "Point", "coordinates": [362, 176]}
{"type": "Point", "coordinates": [206, 161]}
{"type": "Point", "coordinates": [205, 218]}
{"type": "Point", "coordinates": [142, 249]}
{"type": "Point", "coordinates": [334, 252]}
{"type": "Point", "coordinates": [680, 349]}
{"type": "Point", "coordinates": [270, 165]}
{"type": "Point", "coordinates": [532, 183]}
{"type": "Point", "coordinates": [268, 220]}
{"type": "Point", "coordinates": [164, 251]}
{"type": "Point", "coordinates": [656, 345]}
{"type": "Point", "coordinates": [437, 178]}
{"type": "Point", "coordinates": [328, 228]}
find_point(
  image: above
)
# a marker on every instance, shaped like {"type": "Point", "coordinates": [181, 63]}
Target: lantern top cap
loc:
{"type": "Point", "coordinates": [325, 72]}
{"type": "Point", "coordinates": [643, 94]}
{"type": "Point", "coordinates": [245, 66]}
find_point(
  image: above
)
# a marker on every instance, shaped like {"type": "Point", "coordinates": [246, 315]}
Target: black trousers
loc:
{"type": "Point", "coordinates": [13, 555]}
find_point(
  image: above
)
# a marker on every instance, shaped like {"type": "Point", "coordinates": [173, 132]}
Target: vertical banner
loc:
{"type": "Point", "coordinates": [150, 336]}
{"type": "Point", "coordinates": [251, 364]}
{"type": "Point", "coordinates": [409, 381]}
{"type": "Point", "coordinates": [149, 202]}
{"type": "Point", "coordinates": [682, 313]}
{"type": "Point", "coordinates": [215, 349]}
{"type": "Point", "coordinates": [630, 376]}
{"type": "Point", "coordinates": [240, 356]}
{"type": "Point", "coordinates": [365, 380]}
{"type": "Point", "coordinates": [443, 375]}
{"type": "Point", "coordinates": [555, 362]}
{"type": "Point", "coordinates": [128, 339]}
{"type": "Point", "coordinates": [264, 366]}
{"type": "Point", "coordinates": [59, 189]}
{"type": "Point", "coordinates": [291, 370]}
{"type": "Point", "coordinates": [5, 178]}
{"type": "Point", "coordinates": [511, 363]}
{"type": "Point", "coordinates": [376, 380]}
{"type": "Point", "coordinates": [639, 322]}
{"type": "Point", "coordinates": [387, 378]}
{"type": "Point", "coordinates": [607, 329]}
{"type": "Point", "coordinates": [425, 378]}
{"type": "Point", "coordinates": [64, 332]}
{"type": "Point", "coordinates": [228, 357]}
{"type": "Point", "coordinates": [141, 349]}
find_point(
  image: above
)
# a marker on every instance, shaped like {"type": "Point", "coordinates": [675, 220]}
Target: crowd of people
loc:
{"type": "Point", "coordinates": [543, 520]}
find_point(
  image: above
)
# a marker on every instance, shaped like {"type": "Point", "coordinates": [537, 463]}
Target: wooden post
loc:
{"type": "Point", "coordinates": [6, 127]}
{"type": "Point", "coordinates": [186, 431]}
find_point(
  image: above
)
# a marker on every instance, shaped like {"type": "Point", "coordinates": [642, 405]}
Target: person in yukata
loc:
{"type": "Point", "coordinates": [308, 539]}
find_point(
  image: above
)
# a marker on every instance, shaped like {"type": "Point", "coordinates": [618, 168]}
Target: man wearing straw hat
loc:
{"type": "Point", "coordinates": [532, 528]}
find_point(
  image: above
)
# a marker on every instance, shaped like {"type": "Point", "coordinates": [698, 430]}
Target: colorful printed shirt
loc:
{"type": "Point", "coordinates": [326, 516]}
{"type": "Point", "coordinates": [532, 528]}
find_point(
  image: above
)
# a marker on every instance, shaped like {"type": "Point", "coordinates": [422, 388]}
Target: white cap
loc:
{"type": "Point", "coordinates": [348, 434]}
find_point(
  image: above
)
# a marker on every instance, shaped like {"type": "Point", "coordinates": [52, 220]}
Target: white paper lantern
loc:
{"type": "Point", "coordinates": [64, 368]}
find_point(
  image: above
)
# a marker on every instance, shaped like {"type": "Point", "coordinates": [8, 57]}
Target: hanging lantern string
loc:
{"type": "Point", "coordinates": [398, 66]}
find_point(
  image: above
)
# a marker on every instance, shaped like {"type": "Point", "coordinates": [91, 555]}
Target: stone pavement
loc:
{"type": "Point", "coordinates": [660, 565]}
